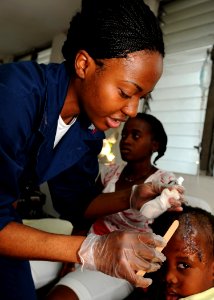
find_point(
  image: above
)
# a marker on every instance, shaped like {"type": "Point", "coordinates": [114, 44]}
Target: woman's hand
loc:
{"type": "Point", "coordinates": [142, 193]}
{"type": "Point", "coordinates": [121, 254]}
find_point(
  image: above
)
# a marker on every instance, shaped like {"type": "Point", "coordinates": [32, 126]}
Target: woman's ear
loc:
{"type": "Point", "coordinates": [83, 63]}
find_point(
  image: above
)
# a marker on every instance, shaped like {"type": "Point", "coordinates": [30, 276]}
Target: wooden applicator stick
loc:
{"type": "Point", "coordinates": [166, 237]}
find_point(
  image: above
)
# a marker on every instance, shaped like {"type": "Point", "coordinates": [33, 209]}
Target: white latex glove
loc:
{"type": "Point", "coordinates": [142, 193]}
{"type": "Point", "coordinates": [154, 208]}
{"type": "Point", "coordinates": [121, 254]}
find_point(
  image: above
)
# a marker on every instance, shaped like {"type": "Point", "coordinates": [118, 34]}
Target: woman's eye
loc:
{"type": "Point", "coordinates": [124, 95]}
{"type": "Point", "coordinates": [183, 266]}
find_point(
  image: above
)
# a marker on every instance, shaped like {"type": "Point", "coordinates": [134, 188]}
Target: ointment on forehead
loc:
{"type": "Point", "coordinates": [189, 232]}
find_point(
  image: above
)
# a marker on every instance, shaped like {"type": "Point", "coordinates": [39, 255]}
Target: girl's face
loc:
{"type": "Point", "coordinates": [111, 93]}
{"type": "Point", "coordinates": [136, 141]}
{"type": "Point", "coordinates": [189, 267]}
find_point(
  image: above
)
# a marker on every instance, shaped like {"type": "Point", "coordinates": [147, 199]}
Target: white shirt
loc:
{"type": "Point", "coordinates": [62, 128]}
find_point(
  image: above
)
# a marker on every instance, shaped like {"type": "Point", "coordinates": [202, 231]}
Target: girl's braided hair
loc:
{"type": "Point", "coordinates": [157, 131]}
{"type": "Point", "coordinates": [112, 29]}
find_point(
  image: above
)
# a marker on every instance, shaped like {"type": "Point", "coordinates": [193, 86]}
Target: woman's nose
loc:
{"type": "Point", "coordinates": [131, 108]}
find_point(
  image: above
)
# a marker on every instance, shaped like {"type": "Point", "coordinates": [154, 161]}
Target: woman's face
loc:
{"type": "Point", "coordinates": [189, 267]}
{"type": "Point", "coordinates": [111, 93]}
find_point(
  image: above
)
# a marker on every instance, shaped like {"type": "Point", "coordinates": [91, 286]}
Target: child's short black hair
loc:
{"type": "Point", "coordinates": [203, 219]}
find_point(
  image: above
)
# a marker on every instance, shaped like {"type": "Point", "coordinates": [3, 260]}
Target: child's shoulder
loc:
{"type": "Point", "coordinates": [206, 295]}
{"type": "Point", "coordinates": [162, 176]}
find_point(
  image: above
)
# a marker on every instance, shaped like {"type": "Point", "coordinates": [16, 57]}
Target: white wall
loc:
{"type": "Point", "coordinates": [180, 97]}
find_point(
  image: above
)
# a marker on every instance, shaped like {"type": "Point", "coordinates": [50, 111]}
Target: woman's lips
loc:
{"type": "Point", "coordinates": [113, 123]}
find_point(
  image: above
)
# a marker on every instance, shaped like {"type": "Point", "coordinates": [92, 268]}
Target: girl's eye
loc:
{"type": "Point", "coordinates": [183, 266]}
{"type": "Point", "coordinates": [136, 136]}
{"type": "Point", "coordinates": [124, 95]}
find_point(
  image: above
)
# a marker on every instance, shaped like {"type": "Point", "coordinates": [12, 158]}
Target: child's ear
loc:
{"type": "Point", "coordinates": [212, 272]}
{"type": "Point", "coordinates": [155, 146]}
{"type": "Point", "coordinates": [212, 266]}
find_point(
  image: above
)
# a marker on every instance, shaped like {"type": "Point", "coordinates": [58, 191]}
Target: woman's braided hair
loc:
{"type": "Point", "coordinates": [112, 29]}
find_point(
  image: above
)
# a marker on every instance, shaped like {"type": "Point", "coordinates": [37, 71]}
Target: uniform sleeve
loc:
{"type": "Point", "coordinates": [15, 129]}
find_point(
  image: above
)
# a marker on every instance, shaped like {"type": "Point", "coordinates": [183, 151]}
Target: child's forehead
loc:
{"type": "Point", "coordinates": [188, 226]}
{"type": "Point", "coordinates": [179, 249]}
{"type": "Point", "coordinates": [136, 122]}
{"type": "Point", "coordinates": [190, 240]}
{"type": "Point", "coordinates": [137, 125]}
